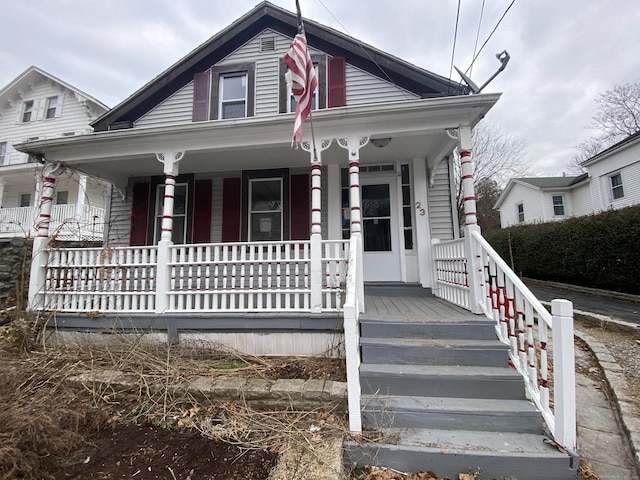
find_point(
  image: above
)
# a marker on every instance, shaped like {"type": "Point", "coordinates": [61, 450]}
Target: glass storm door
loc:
{"type": "Point", "coordinates": [380, 230]}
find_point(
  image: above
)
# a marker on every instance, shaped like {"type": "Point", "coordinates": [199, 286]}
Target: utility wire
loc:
{"type": "Point", "coordinates": [453, 50]}
{"type": "Point", "coordinates": [475, 46]}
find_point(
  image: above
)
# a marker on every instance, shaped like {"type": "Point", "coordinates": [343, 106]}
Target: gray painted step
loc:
{"type": "Point", "coordinates": [518, 416]}
{"type": "Point", "coordinates": [441, 381]}
{"type": "Point", "coordinates": [449, 453]}
{"type": "Point", "coordinates": [422, 351]}
{"type": "Point", "coordinates": [475, 330]}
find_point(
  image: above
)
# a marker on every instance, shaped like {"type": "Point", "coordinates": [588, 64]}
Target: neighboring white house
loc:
{"type": "Point", "coordinates": [611, 181]}
{"type": "Point", "coordinates": [36, 106]}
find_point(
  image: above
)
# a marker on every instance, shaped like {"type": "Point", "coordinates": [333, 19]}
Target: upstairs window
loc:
{"type": "Point", "coordinates": [52, 105]}
{"type": "Point", "coordinates": [4, 154]}
{"type": "Point", "coordinates": [233, 95]}
{"type": "Point", "coordinates": [616, 186]}
{"type": "Point", "coordinates": [27, 111]}
{"type": "Point", "coordinates": [520, 213]}
{"type": "Point", "coordinates": [558, 205]}
{"type": "Point", "coordinates": [314, 100]}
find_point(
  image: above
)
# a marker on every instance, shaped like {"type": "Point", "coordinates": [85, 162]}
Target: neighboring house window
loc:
{"type": "Point", "coordinates": [52, 105]}
{"type": "Point", "coordinates": [265, 209]}
{"type": "Point", "coordinates": [558, 205]}
{"type": "Point", "coordinates": [616, 186]}
{"type": "Point", "coordinates": [62, 197]}
{"type": "Point", "coordinates": [27, 110]}
{"type": "Point", "coordinates": [520, 212]}
{"type": "Point", "coordinates": [292, 101]}
{"type": "Point", "coordinates": [25, 199]}
{"type": "Point", "coordinates": [179, 227]}
{"type": "Point", "coordinates": [233, 95]}
{"type": "Point", "coordinates": [4, 154]}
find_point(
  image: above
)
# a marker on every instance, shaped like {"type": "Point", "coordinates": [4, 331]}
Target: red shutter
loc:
{"type": "Point", "coordinates": [231, 189]}
{"type": "Point", "coordinates": [200, 97]}
{"type": "Point", "coordinates": [139, 214]}
{"type": "Point", "coordinates": [202, 211]}
{"type": "Point", "coordinates": [337, 91]}
{"type": "Point", "coordinates": [300, 207]}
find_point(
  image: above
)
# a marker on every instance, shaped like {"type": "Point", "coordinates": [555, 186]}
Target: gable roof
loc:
{"type": "Point", "coordinates": [541, 183]}
{"type": "Point", "coordinates": [625, 142]}
{"type": "Point", "coordinates": [33, 75]}
{"type": "Point", "coordinates": [266, 15]}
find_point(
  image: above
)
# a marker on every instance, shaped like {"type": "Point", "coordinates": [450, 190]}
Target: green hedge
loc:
{"type": "Point", "coordinates": [599, 251]}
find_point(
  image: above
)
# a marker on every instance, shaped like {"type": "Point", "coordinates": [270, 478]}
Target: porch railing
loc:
{"type": "Point", "coordinates": [522, 322]}
{"type": "Point", "coordinates": [68, 222]}
{"type": "Point", "coordinates": [229, 277]}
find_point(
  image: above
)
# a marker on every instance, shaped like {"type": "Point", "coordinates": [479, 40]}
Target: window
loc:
{"type": "Point", "coordinates": [179, 228]}
{"type": "Point", "coordinates": [520, 212]}
{"type": "Point", "coordinates": [62, 197]}
{"type": "Point", "coordinates": [265, 209]}
{"type": "Point", "coordinates": [25, 199]}
{"type": "Point", "coordinates": [27, 110]}
{"type": "Point", "coordinates": [4, 154]}
{"type": "Point", "coordinates": [406, 205]}
{"type": "Point", "coordinates": [616, 186]}
{"type": "Point", "coordinates": [52, 105]}
{"type": "Point", "coordinates": [233, 95]}
{"type": "Point", "coordinates": [558, 205]}
{"type": "Point", "coordinates": [292, 101]}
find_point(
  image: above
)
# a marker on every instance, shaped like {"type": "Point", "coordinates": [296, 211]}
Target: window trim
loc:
{"type": "Point", "coordinates": [520, 212]}
{"type": "Point", "coordinates": [216, 74]}
{"type": "Point", "coordinates": [562, 205]}
{"type": "Point", "coordinates": [283, 91]}
{"type": "Point", "coordinates": [615, 188]}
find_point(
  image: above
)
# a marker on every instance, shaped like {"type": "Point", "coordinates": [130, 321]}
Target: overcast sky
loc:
{"type": "Point", "coordinates": [563, 52]}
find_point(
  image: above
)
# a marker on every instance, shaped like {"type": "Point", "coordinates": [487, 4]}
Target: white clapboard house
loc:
{"type": "Point", "coordinates": [219, 233]}
{"type": "Point", "coordinates": [38, 106]}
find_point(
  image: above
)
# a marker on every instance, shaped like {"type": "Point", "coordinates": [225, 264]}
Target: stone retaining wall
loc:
{"type": "Point", "coordinates": [15, 260]}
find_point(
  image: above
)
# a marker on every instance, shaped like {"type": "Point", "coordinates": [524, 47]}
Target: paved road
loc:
{"type": "Point", "coordinates": [611, 307]}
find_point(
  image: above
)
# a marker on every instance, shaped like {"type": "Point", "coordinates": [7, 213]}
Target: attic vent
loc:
{"type": "Point", "coordinates": [268, 44]}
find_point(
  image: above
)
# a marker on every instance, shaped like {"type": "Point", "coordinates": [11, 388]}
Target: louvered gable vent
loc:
{"type": "Point", "coordinates": [268, 44]}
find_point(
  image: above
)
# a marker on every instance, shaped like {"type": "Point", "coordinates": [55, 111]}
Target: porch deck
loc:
{"type": "Point", "coordinates": [411, 308]}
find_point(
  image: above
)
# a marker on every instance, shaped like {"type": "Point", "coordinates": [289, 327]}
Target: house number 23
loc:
{"type": "Point", "coordinates": [420, 209]}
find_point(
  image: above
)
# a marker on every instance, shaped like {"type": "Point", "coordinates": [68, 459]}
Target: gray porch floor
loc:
{"type": "Point", "coordinates": [415, 309]}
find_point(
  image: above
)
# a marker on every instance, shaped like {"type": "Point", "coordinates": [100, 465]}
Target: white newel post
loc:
{"type": "Point", "coordinates": [474, 266]}
{"type": "Point", "coordinates": [40, 254]}
{"type": "Point", "coordinates": [1, 191]}
{"type": "Point", "coordinates": [353, 145]}
{"type": "Point", "coordinates": [315, 274]}
{"type": "Point", "coordinates": [564, 385]}
{"type": "Point", "coordinates": [163, 274]}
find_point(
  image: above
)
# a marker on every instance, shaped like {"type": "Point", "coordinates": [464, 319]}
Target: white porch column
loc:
{"type": "Point", "coordinates": [315, 274]}
{"type": "Point", "coordinates": [170, 161]}
{"type": "Point", "coordinates": [474, 267]}
{"type": "Point", "coordinates": [82, 194]}
{"type": "Point", "coordinates": [353, 145]}
{"type": "Point", "coordinates": [40, 255]}
{"type": "Point", "coordinates": [1, 191]}
{"type": "Point", "coordinates": [422, 244]}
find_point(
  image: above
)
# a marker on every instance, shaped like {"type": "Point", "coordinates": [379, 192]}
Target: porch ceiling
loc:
{"type": "Point", "coordinates": [417, 129]}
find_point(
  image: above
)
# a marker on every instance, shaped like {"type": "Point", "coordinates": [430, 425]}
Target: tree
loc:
{"type": "Point", "coordinates": [617, 117]}
{"type": "Point", "coordinates": [496, 157]}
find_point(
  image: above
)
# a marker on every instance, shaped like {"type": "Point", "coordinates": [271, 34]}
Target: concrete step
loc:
{"type": "Point", "coordinates": [442, 381]}
{"type": "Point", "coordinates": [423, 351]}
{"type": "Point", "coordinates": [518, 416]}
{"type": "Point", "coordinates": [489, 454]}
{"type": "Point", "coordinates": [474, 330]}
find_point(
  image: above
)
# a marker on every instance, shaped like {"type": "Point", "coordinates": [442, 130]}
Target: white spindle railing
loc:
{"type": "Point", "coordinates": [529, 329]}
{"type": "Point", "coordinates": [68, 222]}
{"type": "Point", "coordinates": [351, 315]}
{"type": "Point", "coordinates": [121, 279]}
{"type": "Point", "coordinates": [452, 279]}
{"type": "Point", "coordinates": [335, 254]}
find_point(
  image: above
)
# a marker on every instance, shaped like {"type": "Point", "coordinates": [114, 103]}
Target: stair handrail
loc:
{"type": "Point", "coordinates": [510, 303]}
{"type": "Point", "coordinates": [351, 313]}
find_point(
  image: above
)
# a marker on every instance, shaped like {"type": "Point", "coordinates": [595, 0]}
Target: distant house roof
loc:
{"type": "Point", "coordinates": [541, 183]}
{"type": "Point", "coordinates": [266, 15]}
{"type": "Point", "coordinates": [30, 76]}
{"type": "Point", "coordinates": [625, 142]}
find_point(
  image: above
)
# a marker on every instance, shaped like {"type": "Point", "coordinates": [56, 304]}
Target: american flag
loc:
{"type": "Point", "coordinates": [302, 78]}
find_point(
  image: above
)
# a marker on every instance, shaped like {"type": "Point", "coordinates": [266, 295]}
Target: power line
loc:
{"type": "Point", "coordinates": [475, 46]}
{"type": "Point", "coordinates": [453, 50]}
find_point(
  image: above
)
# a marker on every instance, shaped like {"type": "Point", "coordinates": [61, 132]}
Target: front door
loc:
{"type": "Point", "coordinates": [380, 230]}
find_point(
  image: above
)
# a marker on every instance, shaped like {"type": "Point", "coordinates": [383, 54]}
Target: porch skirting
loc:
{"type": "Point", "coordinates": [254, 334]}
